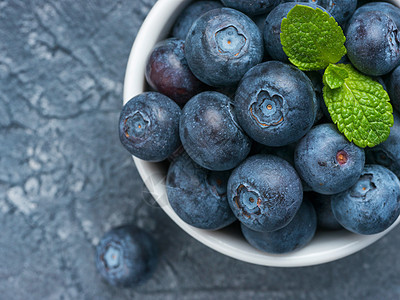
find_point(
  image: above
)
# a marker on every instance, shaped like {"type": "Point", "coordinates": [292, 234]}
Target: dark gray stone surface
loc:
{"type": "Point", "coordinates": [65, 179]}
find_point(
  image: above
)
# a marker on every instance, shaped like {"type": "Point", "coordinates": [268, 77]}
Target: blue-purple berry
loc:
{"type": "Point", "coordinates": [149, 126]}
{"type": "Point", "coordinates": [198, 196]}
{"type": "Point", "coordinates": [327, 161]}
{"type": "Point", "coordinates": [126, 256]}
{"type": "Point", "coordinates": [167, 72]}
{"type": "Point", "coordinates": [222, 45]}
{"type": "Point", "coordinates": [275, 103]}
{"type": "Point", "coordinates": [373, 43]}
{"type": "Point", "coordinates": [264, 192]}
{"type": "Point", "coordinates": [372, 204]}
{"type": "Point", "coordinates": [210, 132]}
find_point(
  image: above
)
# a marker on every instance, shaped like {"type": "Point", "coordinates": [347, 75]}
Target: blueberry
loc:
{"type": "Point", "coordinates": [252, 7]}
{"type": "Point", "coordinates": [275, 104]}
{"type": "Point", "coordinates": [295, 235]}
{"type": "Point", "coordinates": [126, 256]}
{"type": "Point", "coordinates": [264, 192]}
{"type": "Point", "coordinates": [191, 14]}
{"type": "Point", "coordinates": [393, 88]}
{"type": "Point", "coordinates": [198, 196]}
{"type": "Point", "coordinates": [373, 44]}
{"type": "Point", "coordinates": [327, 161]}
{"type": "Point", "coordinates": [323, 208]}
{"type": "Point", "coordinates": [372, 204]}
{"type": "Point", "coordinates": [149, 126]}
{"type": "Point", "coordinates": [341, 10]}
{"type": "Point", "coordinates": [222, 45]}
{"type": "Point", "coordinates": [167, 72]}
{"type": "Point", "coordinates": [387, 153]}
{"type": "Point", "coordinates": [272, 29]}
{"type": "Point", "coordinates": [210, 133]}
{"type": "Point", "coordinates": [391, 10]}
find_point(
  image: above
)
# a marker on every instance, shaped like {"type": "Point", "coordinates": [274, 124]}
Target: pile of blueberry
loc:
{"type": "Point", "coordinates": [248, 134]}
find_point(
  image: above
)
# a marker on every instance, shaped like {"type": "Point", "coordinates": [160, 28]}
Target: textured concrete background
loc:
{"type": "Point", "coordinates": [65, 179]}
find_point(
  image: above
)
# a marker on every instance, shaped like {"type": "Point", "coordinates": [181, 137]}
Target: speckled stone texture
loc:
{"type": "Point", "coordinates": [65, 179]}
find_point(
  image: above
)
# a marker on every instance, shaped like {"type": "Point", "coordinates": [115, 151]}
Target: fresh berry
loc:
{"type": "Point", "coordinates": [327, 161]}
{"type": "Point", "coordinates": [222, 45]}
{"type": "Point", "coordinates": [149, 126]}
{"type": "Point", "coordinates": [167, 72]}
{"type": "Point", "coordinates": [198, 196]}
{"type": "Point", "coordinates": [265, 192]}
{"type": "Point", "coordinates": [372, 204]}
{"type": "Point", "coordinates": [275, 103]}
{"type": "Point", "coordinates": [126, 256]}
{"type": "Point", "coordinates": [210, 133]}
{"type": "Point", "coordinates": [373, 43]}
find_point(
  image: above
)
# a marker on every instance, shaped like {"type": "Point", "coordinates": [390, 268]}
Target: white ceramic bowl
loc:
{"type": "Point", "coordinates": [325, 246]}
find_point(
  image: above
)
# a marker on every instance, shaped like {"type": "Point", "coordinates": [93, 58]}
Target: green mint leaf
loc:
{"type": "Point", "coordinates": [334, 76]}
{"type": "Point", "coordinates": [358, 105]}
{"type": "Point", "coordinates": [311, 38]}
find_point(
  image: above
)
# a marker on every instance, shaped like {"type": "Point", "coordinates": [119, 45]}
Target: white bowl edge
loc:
{"type": "Point", "coordinates": [325, 247]}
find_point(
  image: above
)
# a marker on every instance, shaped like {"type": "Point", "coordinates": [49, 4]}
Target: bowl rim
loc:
{"type": "Point", "coordinates": [156, 26]}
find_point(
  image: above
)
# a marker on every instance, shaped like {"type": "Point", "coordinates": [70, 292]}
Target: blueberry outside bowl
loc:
{"type": "Point", "coordinates": [326, 246]}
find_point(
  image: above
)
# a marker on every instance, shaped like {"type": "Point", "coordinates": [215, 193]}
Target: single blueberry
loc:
{"type": "Point", "coordinates": [373, 43]}
{"type": "Point", "coordinates": [222, 45]}
{"type": "Point", "coordinates": [387, 153]}
{"type": "Point", "coordinates": [198, 196]}
{"type": "Point", "coordinates": [190, 14]}
{"type": "Point", "coordinates": [264, 192]}
{"type": "Point", "coordinates": [372, 204]}
{"type": "Point", "coordinates": [327, 161]}
{"type": "Point", "coordinates": [210, 132]}
{"type": "Point", "coordinates": [149, 126]}
{"type": "Point", "coordinates": [272, 29]}
{"type": "Point", "coordinates": [295, 235]}
{"type": "Point", "coordinates": [252, 7]}
{"type": "Point", "coordinates": [275, 103]}
{"type": "Point", "coordinates": [167, 72]}
{"type": "Point", "coordinates": [126, 256]}
{"type": "Point", "coordinates": [323, 208]}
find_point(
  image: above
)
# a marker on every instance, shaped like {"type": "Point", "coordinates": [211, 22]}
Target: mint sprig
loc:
{"type": "Point", "coordinates": [358, 105]}
{"type": "Point", "coordinates": [311, 38]}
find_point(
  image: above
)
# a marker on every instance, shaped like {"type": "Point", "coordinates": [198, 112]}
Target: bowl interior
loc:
{"type": "Point", "coordinates": [326, 246]}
